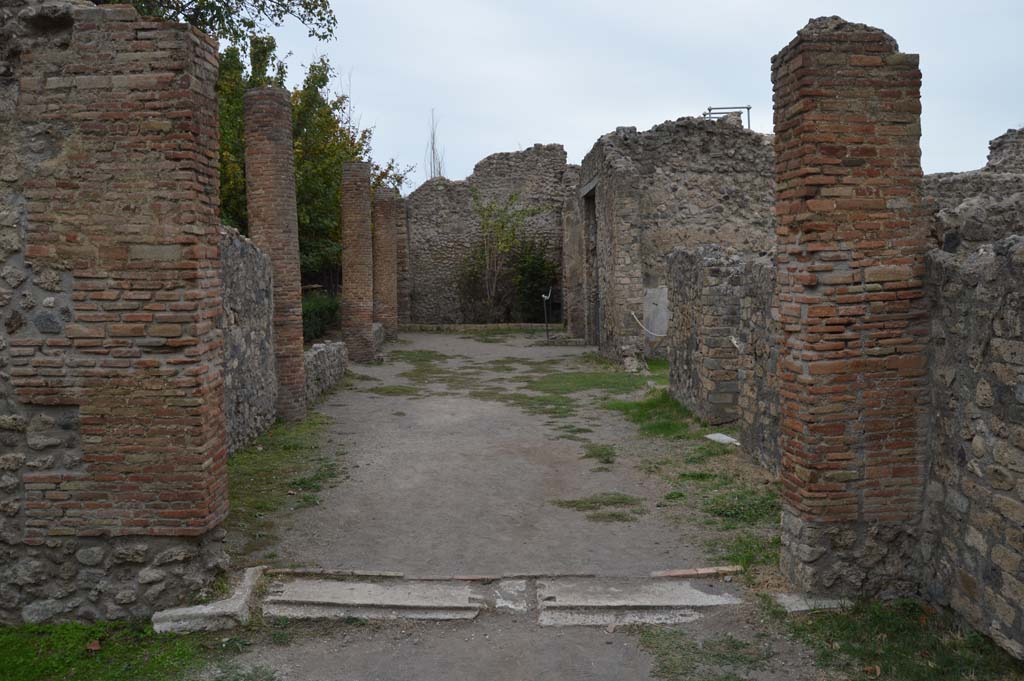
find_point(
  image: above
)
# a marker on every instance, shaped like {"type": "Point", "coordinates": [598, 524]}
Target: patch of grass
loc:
{"type": "Point", "coordinates": [574, 430]}
{"type": "Point", "coordinates": [659, 370]}
{"type": "Point", "coordinates": [674, 495]}
{"type": "Point", "coordinates": [747, 550]}
{"type": "Point", "coordinates": [744, 505]}
{"type": "Point", "coordinates": [602, 453]}
{"type": "Point", "coordinates": [600, 469]}
{"type": "Point", "coordinates": [601, 501]}
{"type": "Point", "coordinates": [394, 390]}
{"type": "Point", "coordinates": [125, 652]}
{"type": "Point", "coordinates": [567, 382]}
{"type": "Point", "coordinates": [658, 415]}
{"type": "Point", "coordinates": [707, 450]}
{"type": "Point", "coordinates": [555, 406]}
{"type": "Point", "coordinates": [268, 475]}
{"type": "Point", "coordinates": [679, 657]}
{"type": "Point", "coordinates": [905, 640]}
{"type": "Point", "coordinates": [698, 476]}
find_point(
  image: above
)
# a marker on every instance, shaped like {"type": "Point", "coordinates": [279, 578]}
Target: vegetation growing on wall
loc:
{"type": "Point", "coordinates": [505, 275]}
{"type": "Point", "coordinates": [319, 312]}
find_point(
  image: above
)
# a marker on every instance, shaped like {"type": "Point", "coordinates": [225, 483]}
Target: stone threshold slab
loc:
{"type": "Point", "coordinates": [385, 600]}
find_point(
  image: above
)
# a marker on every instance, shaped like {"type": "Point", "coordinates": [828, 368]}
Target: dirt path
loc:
{"type": "Point", "coordinates": [442, 483]}
{"type": "Point", "coordinates": [464, 457]}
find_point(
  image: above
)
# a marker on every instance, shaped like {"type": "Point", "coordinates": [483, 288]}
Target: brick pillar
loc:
{"type": "Point", "coordinates": [851, 244]}
{"type": "Point", "coordinates": [402, 264]}
{"type": "Point", "coordinates": [386, 210]}
{"type": "Point", "coordinates": [273, 226]}
{"type": "Point", "coordinates": [356, 262]}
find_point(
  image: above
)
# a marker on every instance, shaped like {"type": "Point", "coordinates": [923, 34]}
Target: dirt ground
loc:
{"type": "Point", "coordinates": [445, 474]}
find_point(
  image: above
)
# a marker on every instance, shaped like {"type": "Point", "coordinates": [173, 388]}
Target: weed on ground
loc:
{"type": "Point", "coordinates": [601, 453]}
{"type": "Point", "coordinates": [105, 651]}
{"type": "Point", "coordinates": [678, 656]}
{"type": "Point", "coordinates": [394, 390]}
{"type": "Point", "coordinates": [597, 505]}
{"type": "Point", "coordinates": [903, 640]}
{"type": "Point", "coordinates": [567, 382]}
{"type": "Point", "coordinates": [747, 550]}
{"type": "Point", "coordinates": [657, 415]}
{"type": "Point", "coordinates": [284, 468]}
{"type": "Point", "coordinates": [744, 505]}
{"type": "Point", "coordinates": [554, 406]}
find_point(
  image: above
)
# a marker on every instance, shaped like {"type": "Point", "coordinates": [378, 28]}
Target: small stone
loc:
{"type": "Point", "coordinates": [8, 482]}
{"type": "Point", "coordinates": [151, 575]}
{"type": "Point", "coordinates": [983, 394]}
{"type": "Point", "coordinates": [49, 301]}
{"type": "Point", "coordinates": [1019, 392]}
{"type": "Point", "coordinates": [13, 422]}
{"type": "Point", "coordinates": [28, 571]}
{"type": "Point", "coordinates": [47, 322]}
{"type": "Point", "coordinates": [90, 556]}
{"type": "Point", "coordinates": [125, 596]}
{"type": "Point", "coordinates": [13, 276]}
{"type": "Point", "coordinates": [130, 553]}
{"type": "Point", "coordinates": [49, 280]}
{"type": "Point", "coordinates": [39, 441]}
{"type": "Point", "coordinates": [14, 322]}
{"type": "Point", "coordinates": [12, 462]}
{"type": "Point", "coordinates": [176, 554]}
{"type": "Point", "coordinates": [42, 611]}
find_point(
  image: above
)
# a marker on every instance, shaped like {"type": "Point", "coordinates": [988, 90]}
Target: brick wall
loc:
{"type": "Point", "coordinates": [388, 211]}
{"type": "Point", "coordinates": [402, 264]}
{"type": "Point", "coordinates": [112, 422]}
{"type": "Point", "coordinates": [851, 243]}
{"type": "Point", "coordinates": [357, 262]}
{"type": "Point", "coordinates": [273, 226]}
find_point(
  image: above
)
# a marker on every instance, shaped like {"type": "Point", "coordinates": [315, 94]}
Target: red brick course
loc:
{"type": "Point", "coordinates": [129, 210]}
{"type": "Point", "coordinates": [388, 209]}
{"type": "Point", "coordinates": [356, 262]}
{"type": "Point", "coordinates": [851, 244]}
{"type": "Point", "coordinates": [273, 227]}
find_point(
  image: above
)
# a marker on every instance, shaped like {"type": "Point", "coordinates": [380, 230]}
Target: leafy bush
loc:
{"type": "Point", "coordinates": [319, 313]}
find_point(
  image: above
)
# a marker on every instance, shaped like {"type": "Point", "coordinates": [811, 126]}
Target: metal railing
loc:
{"type": "Point", "coordinates": [715, 112]}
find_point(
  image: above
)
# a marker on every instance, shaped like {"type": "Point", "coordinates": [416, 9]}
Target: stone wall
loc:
{"type": "Point", "coordinates": [388, 210]}
{"type": "Point", "coordinates": [250, 378]}
{"type": "Point", "coordinates": [574, 308]}
{"type": "Point", "coordinates": [443, 227]}
{"type": "Point", "coordinates": [758, 334]}
{"type": "Point", "coordinates": [980, 206]}
{"type": "Point", "coordinates": [706, 288]}
{"type": "Point", "coordinates": [641, 194]}
{"type": "Point", "coordinates": [325, 367]}
{"type": "Point", "coordinates": [973, 549]}
{"type": "Point", "coordinates": [112, 430]}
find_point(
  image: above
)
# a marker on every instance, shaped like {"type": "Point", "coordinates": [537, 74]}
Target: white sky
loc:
{"type": "Point", "coordinates": [505, 74]}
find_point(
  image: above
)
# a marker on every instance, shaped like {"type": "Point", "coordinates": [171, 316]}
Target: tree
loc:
{"type": "Point", "coordinates": [433, 164]}
{"type": "Point", "coordinates": [325, 136]}
{"type": "Point", "coordinates": [237, 20]}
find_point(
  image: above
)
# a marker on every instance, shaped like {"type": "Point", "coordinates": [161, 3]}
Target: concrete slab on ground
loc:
{"type": "Point", "coordinates": [385, 600]}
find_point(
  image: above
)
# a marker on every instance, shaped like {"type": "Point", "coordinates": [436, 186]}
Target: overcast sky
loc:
{"type": "Point", "coordinates": [502, 75]}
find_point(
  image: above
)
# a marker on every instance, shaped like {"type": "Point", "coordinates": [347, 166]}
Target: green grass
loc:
{"type": "Point", "coordinates": [906, 641]}
{"type": "Point", "coordinates": [601, 453]}
{"type": "Point", "coordinates": [743, 505]}
{"type": "Point", "coordinates": [126, 652]}
{"type": "Point", "coordinates": [555, 406]}
{"type": "Point", "coordinates": [706, 451]}
{"type": "Point", "coordinates": [394, 390]}
{"type": "Point", "coordinates": [659, 370]}
{"type": "Point", "coordinates": [658, 415]}
{"type": "Point", "coordinates": [679, 657]}
{"type": "Point", "coordinates": [597, 507]}
{"type": "Point", "coordinates": [567, 382]}
{"type": "Point", "coordinates": [284, 467]}
{"type": "Point", "coordinates": [747, 550]}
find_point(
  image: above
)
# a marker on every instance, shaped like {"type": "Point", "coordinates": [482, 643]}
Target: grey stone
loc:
{"type": "Point", "coordinates": [126, 596]}
{"type": "Point", "coordinates": [90, 556]}
{"type": "Point", "coordinates": [47, 322]}
{"type": "Point", "coordinates": [130, 553]}
{"type": "Point", "coordinates": [38, 612]}
{"type": "Point", "coordinates": [176, 554]}
{"type": "Point", "coordinates": [226, 614]}
{"type": "Point", "coordinates": [151, 575]}
{"type": "Point", "coordinates": [14, 276]}
{"type": "Point", "coordinates": [12, 462]}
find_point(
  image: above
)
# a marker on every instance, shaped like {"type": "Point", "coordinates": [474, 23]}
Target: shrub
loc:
{"type": "Point", "coordinates": [319, 313]}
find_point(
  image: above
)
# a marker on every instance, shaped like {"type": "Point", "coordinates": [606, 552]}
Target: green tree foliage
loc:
{"type": "Point", "coordinates": [504, 276]}
{"type": "Point", "coordinates": [236, 20]}
{"type": "Point", "coordinates": [325, 136]}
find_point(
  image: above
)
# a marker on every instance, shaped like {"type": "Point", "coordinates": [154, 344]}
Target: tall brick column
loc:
{"type": "Point", "coordinates": [273, 226]}
{"type": "Point", "coordinates": [851, 243]}
{"type": "Point", "coordinates": [386, 209]}
{"type": "Point", "coordinates": [356, 262]}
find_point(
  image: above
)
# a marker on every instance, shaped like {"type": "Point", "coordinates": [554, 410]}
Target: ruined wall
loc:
{"type": "Point", "coordinates": [573, 255]}
{"type": "Point", "coordinates": [443, 226]}
{"type": "Point", "coordinates": [980, 206]}
{"type": "Point", "coordinates": [973, 549]}
{"type": "Point", "coordinates": [250, 378]}
{"type": "Point", "coordinates": [388, 209]}
{"type": "Point", "coordinates": [113, 454]}
{"type": "Point", "coordinates": [325, 365]}
{"type": "Point", "coordinates": [707, 285]}
{"type": "Point", "coordinates": [758, 335]}
{"type": "Point", "coordinates": [683, 183]}
{"type": "Point", "coordinates": [357, 263]}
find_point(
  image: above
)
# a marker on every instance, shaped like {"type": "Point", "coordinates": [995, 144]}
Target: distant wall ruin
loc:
{"type": "Point", "coordinates": [443, 226]}
{"type": "Point", "coordinates": [640, 195]}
